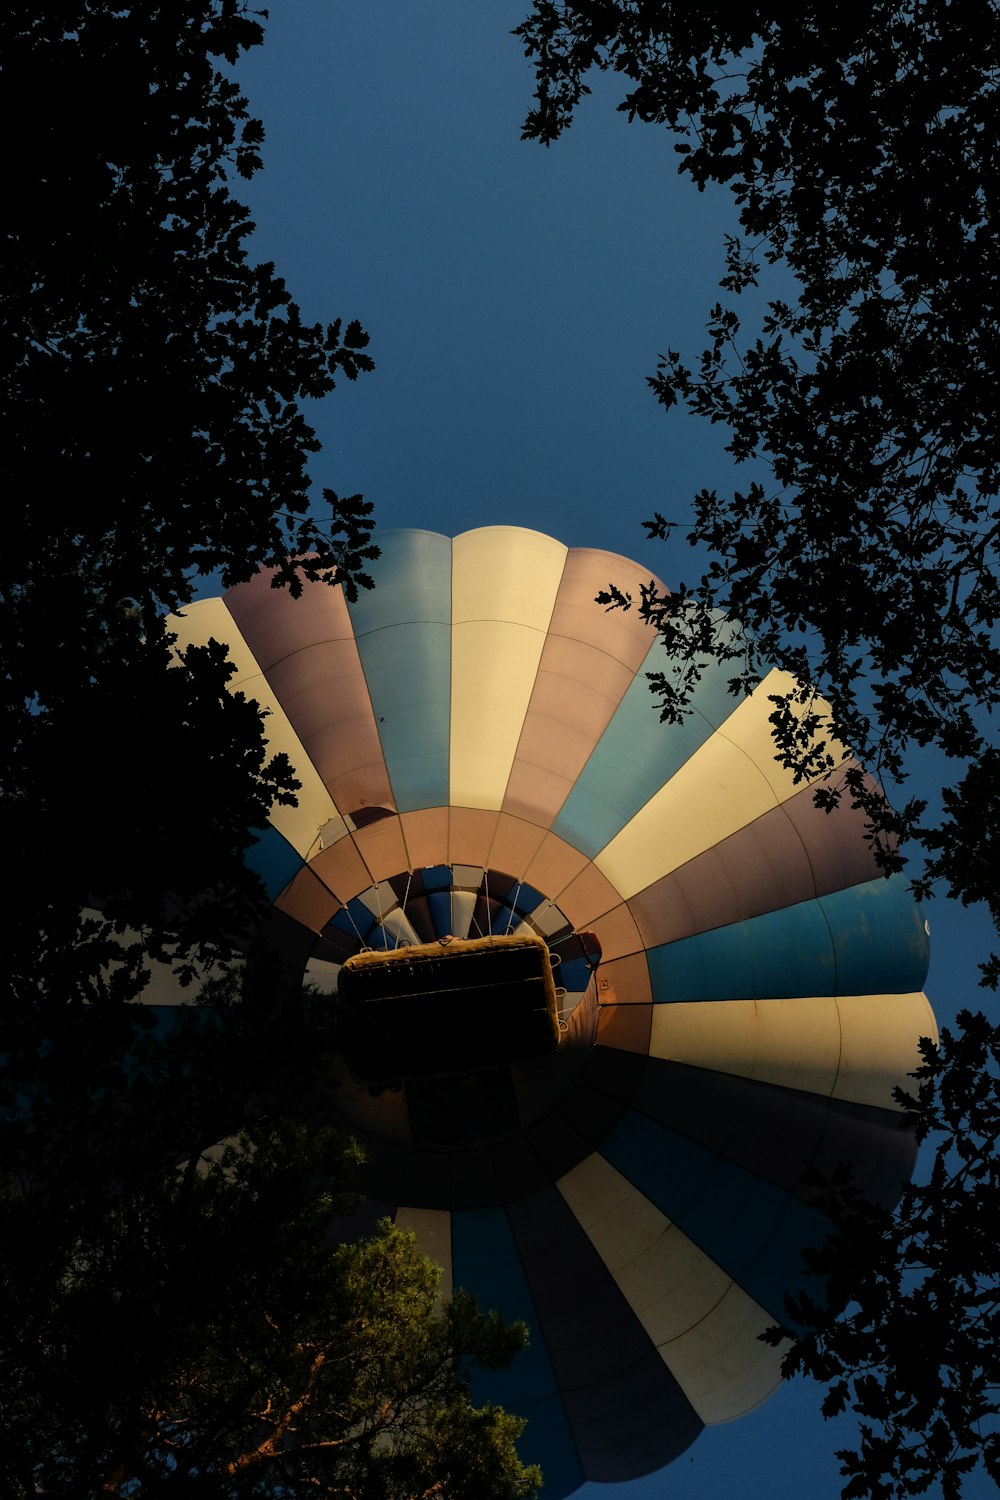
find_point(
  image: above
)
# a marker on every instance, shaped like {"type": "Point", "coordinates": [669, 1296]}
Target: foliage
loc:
{"type": "Point", "coordinates": [154, 371]}
{"type": "Point", "coordinates": [195, 1333]}
{"type": "Point", "coordinates": [861, 147]}
{"type": "Point", "coordinates": [910, 1333]}
{"type": "Point", "coordinates": [173, 1315]}
{"type": "Point", "coordinates": [175, 1312]}
{"type": "Point", "coordinates": [152, 389]}
{"type": "Point", "coordinates": [198, 753]}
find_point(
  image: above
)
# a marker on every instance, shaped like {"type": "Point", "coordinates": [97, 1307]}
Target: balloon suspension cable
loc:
{"type": "Point", "coordinates": [378, 903]}
{"type": "Point", "coordinates": [406, 897]}
{"type": "Point", "coordinates": [489, 914]}
{"type": "Point", "coordinates": [513, 908]}
{"type": "Point", "coordinates": [357, 933]}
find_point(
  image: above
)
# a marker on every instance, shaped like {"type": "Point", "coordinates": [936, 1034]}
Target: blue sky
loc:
{"type": "Point", "coordinates": [516, 299]}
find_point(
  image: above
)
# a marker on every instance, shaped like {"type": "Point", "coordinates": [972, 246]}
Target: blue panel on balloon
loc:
{"type": "Point", "coordinates": [520, 902]}
{"type": "Point", "coordinates": [355, 919]}
{"type": "Point", "coordinates": [274, 860]}
{"type": "Point", "coordinates": [486, 1262]}
{"type": "Point", "coordinates": [439, 906]}
{"type": "Point", "coordinates": [547, 1441]}
{"type": "Point", "coordinates": [413, 582]}
{"type": "Point", "coordinates": [573, 976]}
{"type": "Point", "coordinates": [777, 956]}
{"type": "Point", "coordinates": [879, 938]}
{"type": "Point", "coordinates": [527, 900]}
{"type": "Point", "coordinates": [754, 1230]}
{"type": "Point", "coordinates": [436, 877]}
{"type": "Point", "coordinates": [866, 940]}
{"type": "Point", "coordinates": [381, 939]}
{"type": "Point", "coordinates": [403, 632]}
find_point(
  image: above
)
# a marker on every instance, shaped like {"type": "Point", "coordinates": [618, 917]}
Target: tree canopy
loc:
{"type": "Point", "coordinates": [153, 380]}
{"type": "Point", "coordinates": [187, 1306]}
{"type": "Point", "coordinates": [861, 149]}
{"type": "Point", "coordinates": [910, 1329]}
{"type": "Point", "coordinates": [199, 1334]}
{"type": "Point", "coordinates": [175, 1314]}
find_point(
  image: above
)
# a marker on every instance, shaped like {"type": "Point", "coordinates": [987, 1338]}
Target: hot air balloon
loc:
{"type": "Point", "coordinates": [615, 982]}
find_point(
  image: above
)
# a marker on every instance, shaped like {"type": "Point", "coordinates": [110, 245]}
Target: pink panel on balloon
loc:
{"type": "Point", "coordinates": [534, 790]}
{"type": "Point", "coordinates": [308, 900]}
{"type": "Point", "coordinates": [625, 981]}
{"type": "Point", "coordinates": [588, 896]}
{"type": "Point", "coordinates": [275, 625]}
{"type": "Point", "coordinates": [835, 842]}
{"type": "Point", "coordinates": [620, 633]}
{"type": "Point", "coordinates": [426, 836]}
{"type": "Point", "coordinates": [470, 834]}
{"type": "Point", "coordinates": [617, 933]}
{"type": "Point", "coordinates": [313, 666]}
{"type": "Point", "coordinates": [624, 1027]}
{"type": "Point", "coordinates": [342, 869]}
{"type": "Point", "coordinates": [514, 845]}
{"type": "Point", "coordinates": [382, 848]}
{"type": "Point", "coordinates": [554, 865]}
{"type": "Point", "coordinates": [789, 854]}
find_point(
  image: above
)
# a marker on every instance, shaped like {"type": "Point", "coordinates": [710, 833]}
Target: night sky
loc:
{"type": "Point", "coordinates": [516, 299]}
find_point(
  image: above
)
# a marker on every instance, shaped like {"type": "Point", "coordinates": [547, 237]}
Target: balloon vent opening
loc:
{"type": "Point", "coordinates": [449, 1007]}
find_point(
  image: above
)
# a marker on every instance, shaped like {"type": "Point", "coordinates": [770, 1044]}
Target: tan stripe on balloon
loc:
{"type": "Point", "coordinates": [703, 1324]}
{"type": "Point", "coordinates": [855, 1047]}
{"type": "Point", "coordinates": [878, 1046]}
{"type": "Point", "coordinates": [729, 781]}
{"type": "Point", "coordinates": [209, 618]}
{"type": "Point", "coordinates": [504, 584]}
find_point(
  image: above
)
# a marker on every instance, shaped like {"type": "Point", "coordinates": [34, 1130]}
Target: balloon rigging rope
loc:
{"type": "Point", "coordinates": [378, 903]}
{"type": "Point", "coordinates": [406, 897]}
{"type": "Point", "coordinates": [354, 924]}
{"type": "Point", "coordinates": [513, 908]}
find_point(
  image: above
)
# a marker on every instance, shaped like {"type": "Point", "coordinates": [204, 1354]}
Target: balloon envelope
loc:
{"type": "Point", "coordinates": [480, 756]}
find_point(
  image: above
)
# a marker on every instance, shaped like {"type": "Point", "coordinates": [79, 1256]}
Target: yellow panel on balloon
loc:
{"type": "Point", "coordinates": [504, 585]}
{"type": "Point", "coordinates": [705, 1327]}
{"type": "Point", "coordinates": [729, 781]}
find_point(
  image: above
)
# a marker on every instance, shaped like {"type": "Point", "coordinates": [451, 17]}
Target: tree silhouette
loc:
{"type": "Point", "coordinates": [173, 1317]}
{"type": "Point", "coordinates": [153, 380]}
{"type": "Point", "coordinates": [908, 1334]}
{"type": "Point", "coordinates": [861, 148]}
{"type": "Point", "coordinates": [197, 1334]}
